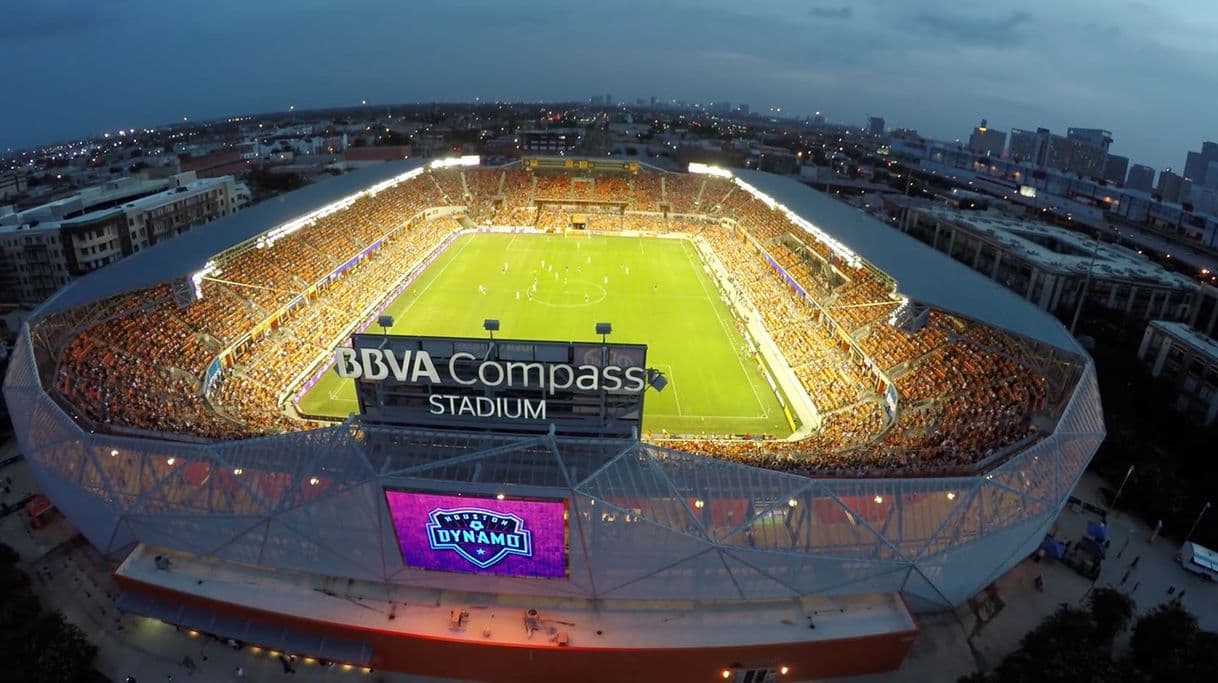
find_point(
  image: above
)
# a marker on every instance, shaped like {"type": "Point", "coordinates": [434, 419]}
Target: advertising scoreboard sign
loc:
{"type": "Point", "coordinates": [578, 388]}
{"type": "Point", "coordinates": [473, 534]}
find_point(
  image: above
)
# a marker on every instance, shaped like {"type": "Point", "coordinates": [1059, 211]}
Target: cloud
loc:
{"type": "Point", "coordinates": [37, 19]}
{"type": "Point", "coordinates": [969, 29]}
{"type": "Point", "coordinates": [831, 12]}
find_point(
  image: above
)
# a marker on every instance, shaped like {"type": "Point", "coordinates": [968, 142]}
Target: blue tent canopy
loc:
{"type": "Point", "coordinates": [1097, 530]}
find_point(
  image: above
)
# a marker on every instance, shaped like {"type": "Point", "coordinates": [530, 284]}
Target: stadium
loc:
{"type": "Point", "coordinates": [833, 427]}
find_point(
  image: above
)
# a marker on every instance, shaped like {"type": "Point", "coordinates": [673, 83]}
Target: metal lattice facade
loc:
{"type": "Point", "coordinates": [645, 522]}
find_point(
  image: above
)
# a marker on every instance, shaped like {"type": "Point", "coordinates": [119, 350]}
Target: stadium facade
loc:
{"type": "Point", "coordinates": [702, 535]}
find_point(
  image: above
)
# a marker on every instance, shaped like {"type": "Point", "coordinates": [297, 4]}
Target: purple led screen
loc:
{"type": "Point", "coordinates": [480, 535]}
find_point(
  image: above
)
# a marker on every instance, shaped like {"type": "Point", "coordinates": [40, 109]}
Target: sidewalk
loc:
{"type": "Point", "coordinates": [942, 650]}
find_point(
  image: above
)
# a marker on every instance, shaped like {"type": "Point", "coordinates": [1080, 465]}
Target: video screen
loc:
{"type": "Point", "coordinates": [480, 535]}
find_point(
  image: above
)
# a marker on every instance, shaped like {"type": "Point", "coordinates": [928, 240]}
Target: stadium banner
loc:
{"type": "Point", "coordinates": [480, 535]}
{"type": "Point", "coordinates": [210, 375]}
{"type": "Point", "coordinates": [572, 388]}
{"type": "Point", "coordinates": [785, 276]}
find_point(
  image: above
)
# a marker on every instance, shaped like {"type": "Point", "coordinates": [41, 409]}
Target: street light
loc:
{"type": "Point", "coordinates": [1197, 521]}
{"type": "Point", "coordinates": [1112, 505]}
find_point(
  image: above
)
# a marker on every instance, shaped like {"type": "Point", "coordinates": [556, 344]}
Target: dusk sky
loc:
{"type": "Point", "coordinates": [1142, 70]}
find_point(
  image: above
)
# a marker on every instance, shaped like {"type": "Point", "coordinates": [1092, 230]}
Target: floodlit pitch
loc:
{"type": "Point", "coordinates": [552, 287]}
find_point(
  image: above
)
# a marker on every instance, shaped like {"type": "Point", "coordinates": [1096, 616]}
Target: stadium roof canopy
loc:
{"type": "Point", "coordinates": [922, 274]}
{"type": "Point", "coordinates": [190, 252]}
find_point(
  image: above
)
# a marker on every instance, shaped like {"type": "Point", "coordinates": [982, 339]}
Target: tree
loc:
{"type": "Point", "coordinates": [37, 646]}
{"type": "Point", "coordinates": [1111, 610]}
{"type": "Point", "coordinates": [55, 650]}
{"type": "Point", "coordinates": [1163, 644]}
{"type": "Point", "coordinates": [17, 610]}
{"type": "Point", "coordinates": [8, 555]}
{"type": "Point", "coordinates": [1065, 647]}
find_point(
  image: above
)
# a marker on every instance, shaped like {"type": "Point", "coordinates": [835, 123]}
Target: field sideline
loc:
{"type": "Point", "coordinates": [654, 291]}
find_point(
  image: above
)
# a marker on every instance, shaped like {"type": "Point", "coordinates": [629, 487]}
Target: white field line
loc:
{"type": "Point", "coordinates": [735, 352]}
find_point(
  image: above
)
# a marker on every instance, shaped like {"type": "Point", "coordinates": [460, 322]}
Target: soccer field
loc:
{"type": "Point", "coordinates": [654, 291]}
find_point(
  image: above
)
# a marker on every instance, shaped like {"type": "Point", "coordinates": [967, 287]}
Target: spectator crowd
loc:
{"type": "Point", "coordinates": [274, 309]}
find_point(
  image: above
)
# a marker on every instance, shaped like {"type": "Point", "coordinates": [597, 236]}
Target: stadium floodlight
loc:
{"type": "Point", "coordinates": [385, 321]}
{"type": "Point", "coordinates": [491, 325]}
{"type": "Point", "coordinates": [467, 160]}
{"type": "Point", "coordinates": [604, 330]}
{"type": "Point", "coordinates": [196, 278]}
{"type": "Point", "coordinates": [656, 379]}
{"type": "Point", "coordinates": [707, 169]}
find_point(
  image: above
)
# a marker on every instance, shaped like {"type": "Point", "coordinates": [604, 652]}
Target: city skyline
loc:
{"type": "Point", "coordinates": [936, 67]}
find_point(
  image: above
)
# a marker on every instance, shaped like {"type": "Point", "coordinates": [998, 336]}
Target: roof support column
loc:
{"type": "Point", "coordinates": [1161, 358]}
{"type": "Point", "coordinates": [1031, 283]}
{"type": "Point", "coordinates": [1059, 288]}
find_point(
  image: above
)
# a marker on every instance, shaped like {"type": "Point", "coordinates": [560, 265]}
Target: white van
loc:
{"type": "Point", "coordinates": [1199, 560]}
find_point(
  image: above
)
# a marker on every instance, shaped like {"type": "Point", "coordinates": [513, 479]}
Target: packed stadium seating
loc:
{"type": "Point", "coordinates": [274, 310]}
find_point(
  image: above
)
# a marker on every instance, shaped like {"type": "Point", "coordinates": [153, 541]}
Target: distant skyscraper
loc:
{"type": "Point", "coordinates": [1029, 146]}
{"type": "Point", "coordinates": [1075, 156]}
{"type": "Point", "coordinates": [1083, 151]}
{"type": "Point", "coordinates": [608, 100]}
{"type": "Point", "coordinates": [1196, 166]}
{"type": "Point", "coordinates": [1211, 175]}
{"type": "Point", "coordinates": [875, 125]}
{"type": "Point", "coordinates": [653, 100]}
{"type": "Point", "coordinates": [598, 100]}
{"type": "Point", "coordinates": [743, 108]}
{"type": "Point", "coordinates": [987, 141]}
{"type": "Point", "coordinates": [1094, 136]}
{"type": "Point", "coordinates": [721, 107]}
{"type": "Point", "coordinates": [1140, 178]}
{"type": "Point", "coordinates": [818, 119]}
{"type": "Point", "coordinates": [1173, 187]}
{"type": "Point", "coordinates": [1115, 168]}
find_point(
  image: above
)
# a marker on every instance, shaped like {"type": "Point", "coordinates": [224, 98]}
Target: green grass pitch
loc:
{"type": "Point", "coordinates": [654, 291]}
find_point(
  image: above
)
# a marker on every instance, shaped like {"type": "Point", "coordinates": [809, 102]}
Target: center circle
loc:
{"type": "Point", "coordinates": [572, 294]}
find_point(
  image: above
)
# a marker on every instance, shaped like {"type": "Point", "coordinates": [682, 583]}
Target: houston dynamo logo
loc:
{"type": "Point", "coordinates": [481, 537]}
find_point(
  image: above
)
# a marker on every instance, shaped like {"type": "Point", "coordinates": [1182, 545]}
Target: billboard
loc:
{"type": "Point", "coordinates": [576, 388]}
{"type": "Point", "coordinates": [480, 535]}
